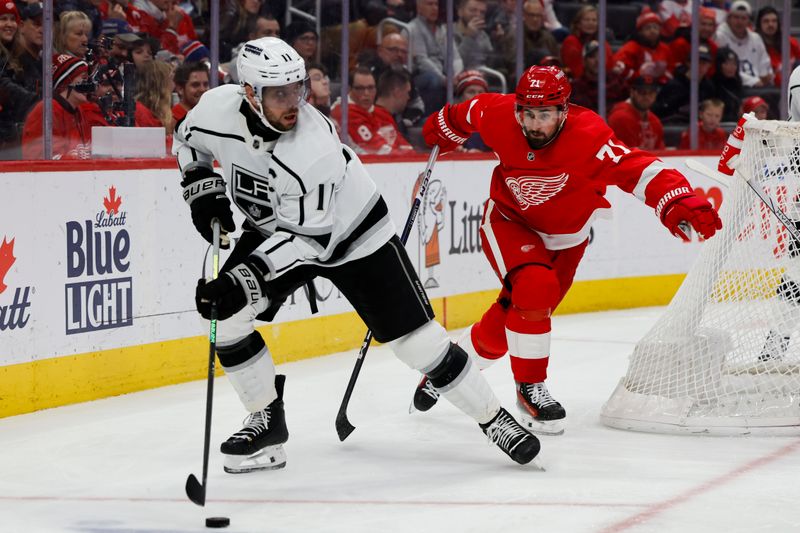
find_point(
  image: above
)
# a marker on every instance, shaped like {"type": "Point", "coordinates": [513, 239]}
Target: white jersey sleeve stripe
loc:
{"type": "Point", "coordinates": [648, 174]}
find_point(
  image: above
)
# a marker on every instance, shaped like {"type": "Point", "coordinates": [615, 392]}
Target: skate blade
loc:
{"type": "Point", "coordinates": [548, 427]}
{"type": "Point", "coordinates": [270, 458]}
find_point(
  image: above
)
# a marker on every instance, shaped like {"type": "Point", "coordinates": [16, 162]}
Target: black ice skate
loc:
{"type": "Point", "coordinates": [512, 438]}
{"type": "Point", "coordinates": [541, 413]}
{"type": "Point", "coordinates": [425, 396]}
{"type": "Point", "coordinates": [258, 445]}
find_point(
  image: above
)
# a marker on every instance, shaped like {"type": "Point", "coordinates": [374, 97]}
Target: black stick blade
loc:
{"type": "Point", "coordinates": [195, 491]}
{"type": "Point", "coordinates": [343, 426]}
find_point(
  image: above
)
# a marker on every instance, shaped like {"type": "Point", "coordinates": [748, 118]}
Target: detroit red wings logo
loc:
{"type": "Point", "coordinates": [535, 190]}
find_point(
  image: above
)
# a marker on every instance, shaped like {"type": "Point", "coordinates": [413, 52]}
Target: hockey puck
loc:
{"type": "Point", "coordinates": [218, 521]}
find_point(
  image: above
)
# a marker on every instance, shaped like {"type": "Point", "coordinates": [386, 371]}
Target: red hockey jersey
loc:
{"type": "Point", "coordinates": [560, 189]}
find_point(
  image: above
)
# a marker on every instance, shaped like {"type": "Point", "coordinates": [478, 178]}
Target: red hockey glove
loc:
{"type": "Point", "coordinates": [438, 130]}
{"type": "Point", "coordinates": [695, 211]}
{"type": "Point", "coordinates": [729, 159]}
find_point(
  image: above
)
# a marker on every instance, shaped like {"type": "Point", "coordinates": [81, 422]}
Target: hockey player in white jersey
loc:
{"type": "Point", "coordinates": [311, 210]}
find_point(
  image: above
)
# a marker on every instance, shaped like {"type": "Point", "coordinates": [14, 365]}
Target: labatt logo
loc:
{"type": "Point", "coordinates": [15, 314]}
{"type": "Point", "coordinates": [96, 251]}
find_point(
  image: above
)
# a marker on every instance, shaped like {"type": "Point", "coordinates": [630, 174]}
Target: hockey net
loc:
{"type": "Point", "coordinates": [725, 356]}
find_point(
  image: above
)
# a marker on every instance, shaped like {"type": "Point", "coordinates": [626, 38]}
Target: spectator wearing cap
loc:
{"type": "Point", "coordinates": [720, 9]}
{"type": "Point", "coordinates": [681, 46]}
{"type": "Point", "coordinates": [768, 26]}
{"type": "Point", "coordinates": [303, 37]}
{"type": "Point", "coordinates": [633, 122]}
{"type": "Point", "coordinates": [28, 51]}
{"type": "Point", "coordinates": [538, 41]}
{"type": "Point", "coordinates": [757, 106]}
{"type": "Point", "coordinates": [754, 62]}
{"type": "Point", "coordinates": [72, 33]}
{"type": "Point", "coordinates": [709, 136]}
{"type": "Point", "coordinates": [162, 20]}
{"type": "Point", "coordinates": [194, 52]}
{"type": "Point", "coordinates": [585, 87]}
{"type": "Point", "coordinates": [674, 97]}
{"type": "Point", "coordinates": [467, 85]}
{"type": "Point", "coordinates": [674, 14]}
{"type": "Point", "coordinates": [371, 130]}
{"type": "Point", "coordinates": [645, 54]}
{"type": "Point", "coordinates": [235, 23]}
{"type": "Point", "coordinates": [191, 82]}
{"type": "Point", "coordinates": [140, 51]}
{"type": "Point", "coordinates": [727, 82]}
{"type": "Point", "coordinates": [474, 44]}
{"type": "Point", "coordinates": [71, 139]}
{"type": "Point", "coordinates": [583, 30]}
{"type": "Point", "coordinates": [428, 47]}
{"type": "Point", "coordinates": [9, 24]}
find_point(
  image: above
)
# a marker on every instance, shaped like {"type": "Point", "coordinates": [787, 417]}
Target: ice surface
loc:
{"type": "Point", "coordinates": [120, 464]}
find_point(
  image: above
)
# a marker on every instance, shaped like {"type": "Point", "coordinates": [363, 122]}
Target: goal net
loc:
{"type": "Point", "coordinates": [725, 356]}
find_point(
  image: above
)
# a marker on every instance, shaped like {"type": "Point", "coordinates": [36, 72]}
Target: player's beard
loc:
{"type": "Point", "coordinates": [277, 120]}
{"type": "Point", "coordinates": [537, 141]}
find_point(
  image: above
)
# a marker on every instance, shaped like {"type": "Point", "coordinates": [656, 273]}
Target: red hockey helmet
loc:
{"type": "Point", "coordinates": [543, 86]}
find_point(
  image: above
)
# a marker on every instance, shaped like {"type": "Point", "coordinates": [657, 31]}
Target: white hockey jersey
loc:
{"type": "Point", "coordinates": [305, 191]}
{"type": "Point", "coordinates": [794, 95]}
{"type": "Point", "coordinates": [754, 60]}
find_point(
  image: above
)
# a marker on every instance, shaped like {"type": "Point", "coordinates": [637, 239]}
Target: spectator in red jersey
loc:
{"type": "Point", "coordinates": [103, 109]}
{"type": "Point", "coordinates": [72, 33]}
{"type": "Point", "coordinates": [154, 96]}
{"type": "Point", "coordinates": [681, 46]}
{"type": "Point", "coordinates": [164, 21]}
{"type": "Point", "coordinates": [768, 26]}
{"type": "Point", "coordinates": [645, 54]}
{"type": "Point", "coordinates": [70, 138]}
{"type": "Point", "coordinates": [632, 120]}
{"type": "Point", "coordinates": [191, 82]}
{"type": "Point", "coordinates": [674, 14]}
{"type": "Point", "coordinates": [583, 31]}
{"type": "Point", "coordinates": [584, 88]}
{"type": "Point", "coordinates": [372, 129]}
{"type": "Point", "coordinates": [710, 136]}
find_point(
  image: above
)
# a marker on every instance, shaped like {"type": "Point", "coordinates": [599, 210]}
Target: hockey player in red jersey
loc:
{"type": "Point", "coordinates": [556, 162]}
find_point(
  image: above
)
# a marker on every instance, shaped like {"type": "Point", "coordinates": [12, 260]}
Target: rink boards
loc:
{"type": "Point", "coordinates": [98, 264]}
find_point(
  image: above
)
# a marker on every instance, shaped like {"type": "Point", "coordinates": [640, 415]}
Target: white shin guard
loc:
{"type": "Point", "coordinates": [471, 393]}
{"type": "Point", "coordinates": [254, 381]}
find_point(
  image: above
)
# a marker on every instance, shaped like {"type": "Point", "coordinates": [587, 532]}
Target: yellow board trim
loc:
{"type": "Point", "coordinates": [83, 377]}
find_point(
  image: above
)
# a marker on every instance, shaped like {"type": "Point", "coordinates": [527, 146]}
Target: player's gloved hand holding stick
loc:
{"type": "Point", "coordinates": [694, 211]}
{"type": "Point", "coordinates": [243, 285]}
{"type": "Point", "coordinates": [204, 191]}
{"type": "Point", "coordinates": [439, 131]}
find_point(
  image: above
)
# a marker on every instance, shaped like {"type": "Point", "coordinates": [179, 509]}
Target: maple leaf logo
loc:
{"type": "Point", "coordinates": [112, 202]}
{"type": "Point", "coordinates": [6, 260]}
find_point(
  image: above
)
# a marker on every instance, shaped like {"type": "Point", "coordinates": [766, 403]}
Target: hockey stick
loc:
{"type": "Point", "coordinates": [195, 490]}
{"type": "Point", "coordinates": [343, 425]}
{"type": "Point", "coordinates": [787, 223]}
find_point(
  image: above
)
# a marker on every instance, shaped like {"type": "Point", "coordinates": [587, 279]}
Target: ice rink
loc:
{"type": "Point", "coordinates": [119, 465]}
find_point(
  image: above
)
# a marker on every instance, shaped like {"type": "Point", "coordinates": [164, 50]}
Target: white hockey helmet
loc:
{"type": "Point", "coordinates": [268, 62]}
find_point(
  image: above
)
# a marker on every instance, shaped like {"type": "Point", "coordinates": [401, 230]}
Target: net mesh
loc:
{"type": "Point", "coordinates": [725, 356]}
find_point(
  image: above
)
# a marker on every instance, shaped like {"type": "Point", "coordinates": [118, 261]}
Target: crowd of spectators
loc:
{"type": "Point", "coordinates": [146, 63]}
